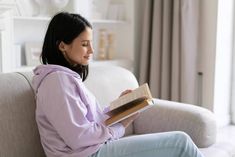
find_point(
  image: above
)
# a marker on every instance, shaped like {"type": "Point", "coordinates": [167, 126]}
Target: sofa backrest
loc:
{"type": "Point", "coordinates": [19, 136]}
{"type": "Point", "coordinates": [18, 131]}
{"type": "Point", "coordinates": [107, 83]}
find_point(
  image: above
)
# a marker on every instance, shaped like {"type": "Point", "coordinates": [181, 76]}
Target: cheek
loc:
{"type": "Point", "coordinates": [78, 52]}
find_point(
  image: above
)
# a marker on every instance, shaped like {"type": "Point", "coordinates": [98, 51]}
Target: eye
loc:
{"type": "Point", "coordinates": [85, 44]}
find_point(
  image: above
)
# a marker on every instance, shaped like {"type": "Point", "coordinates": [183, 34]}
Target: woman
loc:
{"type": "Point", "coordinates": [69, 119]}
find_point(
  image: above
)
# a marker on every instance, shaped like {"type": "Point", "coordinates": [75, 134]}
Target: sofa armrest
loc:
{"type": "Point", "coordinates": [199, 123]}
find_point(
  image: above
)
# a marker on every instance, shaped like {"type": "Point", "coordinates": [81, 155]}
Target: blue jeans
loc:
{"type": "Point", "coordinates": [168, 144]}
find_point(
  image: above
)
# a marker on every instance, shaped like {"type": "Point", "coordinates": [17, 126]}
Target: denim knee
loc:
{"type": "Point", "coordinates": [182, 136]}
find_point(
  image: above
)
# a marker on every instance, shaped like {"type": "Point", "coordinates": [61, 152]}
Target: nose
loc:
{"type": "Point", "coordinates": [91, 49]}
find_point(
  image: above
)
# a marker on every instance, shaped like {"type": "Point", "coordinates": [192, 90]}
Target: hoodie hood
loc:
{"type": "Point", "coordinates": [41, 71]}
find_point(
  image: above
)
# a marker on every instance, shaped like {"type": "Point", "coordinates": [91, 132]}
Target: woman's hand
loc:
{"type": "Point", "coordinates": [125, 92]}
{"type": "Point", "coordinates": [126, 122]}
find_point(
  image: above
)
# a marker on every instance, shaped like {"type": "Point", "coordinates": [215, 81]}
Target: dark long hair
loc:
{"type": "Point", "coordinates": [63, 27]}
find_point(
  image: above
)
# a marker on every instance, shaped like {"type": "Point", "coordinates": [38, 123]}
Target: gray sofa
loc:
{"type": "Point", "coordinates": [19, 136]}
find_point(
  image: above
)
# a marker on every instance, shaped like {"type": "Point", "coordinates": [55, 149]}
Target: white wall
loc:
{"type": "Point", "coordinates": [215, 45]}
{"type": "Point", "coordinates": [223, 67]}
{"type": "Point", "coordinates": [233, 72]}
{"type": "Point", "coordinates": [215, 56]}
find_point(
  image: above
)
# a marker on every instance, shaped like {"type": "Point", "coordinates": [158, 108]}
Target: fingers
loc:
{"type": "Point", "coordinates": [126, 92]}
{"type": "Point", "coordinates": [129, 120]}
{"type": "Point", "coordinates": [133, 117]}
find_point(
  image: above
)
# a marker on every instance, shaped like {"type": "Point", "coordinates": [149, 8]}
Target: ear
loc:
{"type": "Point", "coordinates": [62, 46]}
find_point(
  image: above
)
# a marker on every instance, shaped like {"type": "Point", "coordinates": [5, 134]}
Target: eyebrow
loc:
{"type": "Point", "coordinates": [86, 40]}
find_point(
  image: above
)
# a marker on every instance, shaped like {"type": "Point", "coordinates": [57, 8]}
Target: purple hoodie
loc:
{"type": "Point", "coordinates": [68, 116]}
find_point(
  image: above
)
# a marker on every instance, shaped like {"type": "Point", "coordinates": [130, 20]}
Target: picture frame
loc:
{"type": "Point", "coordinates": [32, 52]}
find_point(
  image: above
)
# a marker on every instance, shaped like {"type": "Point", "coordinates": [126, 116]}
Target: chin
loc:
{"type": "Point", "coordinates": [86, 63]}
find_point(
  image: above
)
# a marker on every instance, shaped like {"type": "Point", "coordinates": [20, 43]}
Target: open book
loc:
{"type": "Point", "coordinates": [129, 104]}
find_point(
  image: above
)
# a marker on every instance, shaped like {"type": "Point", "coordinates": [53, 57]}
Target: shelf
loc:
{"type": "Point", "coordinates": [23, 69]}
{"type": "Point", "coordinates": [28, 18]}
{"type": "Point", "coordinates": [97, 21]}
{"type": "Point", "coordinates": [34, 29]}
{"type": "Point", "coordinates": [47, 19]}
{"type": "Point", "coordinates": [125, 63]}
{"type": "Point", "coordinates": [19, 30]}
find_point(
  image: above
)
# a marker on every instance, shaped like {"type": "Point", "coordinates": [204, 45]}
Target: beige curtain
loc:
{"type": "Point", "coordinates": [168, 57]}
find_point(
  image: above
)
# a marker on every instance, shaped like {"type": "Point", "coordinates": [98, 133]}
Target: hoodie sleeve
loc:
{"type": "Point", "coordinates": [67, 114]}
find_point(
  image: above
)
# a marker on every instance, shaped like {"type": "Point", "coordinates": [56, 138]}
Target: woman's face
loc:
{"type": "Point", "coordinates": [80, 50]}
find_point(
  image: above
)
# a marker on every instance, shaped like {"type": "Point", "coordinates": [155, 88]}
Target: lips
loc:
{"type": "Point", "coordinates": [87, 57]}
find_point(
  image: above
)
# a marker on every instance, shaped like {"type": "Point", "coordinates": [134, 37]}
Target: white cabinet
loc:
{"type": "Point", "coordinates": [17, 31]}
{"type": "Point", "coordinates": [5, 41]}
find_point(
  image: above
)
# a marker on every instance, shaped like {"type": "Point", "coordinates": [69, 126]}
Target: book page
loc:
{"type": "Point", "coordinates": [122, 113]}
{"type": "Point", "coordinates": [141, 92]}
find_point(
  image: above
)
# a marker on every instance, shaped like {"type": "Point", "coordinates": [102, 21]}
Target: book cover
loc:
{"type": "Point", "coordinates": [127, 105]}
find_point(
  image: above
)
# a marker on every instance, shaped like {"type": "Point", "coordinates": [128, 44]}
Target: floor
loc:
{"type": "Point", "coordinates": [225, 145]}
{"type": "Point", "coordinates": [227, 132]}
